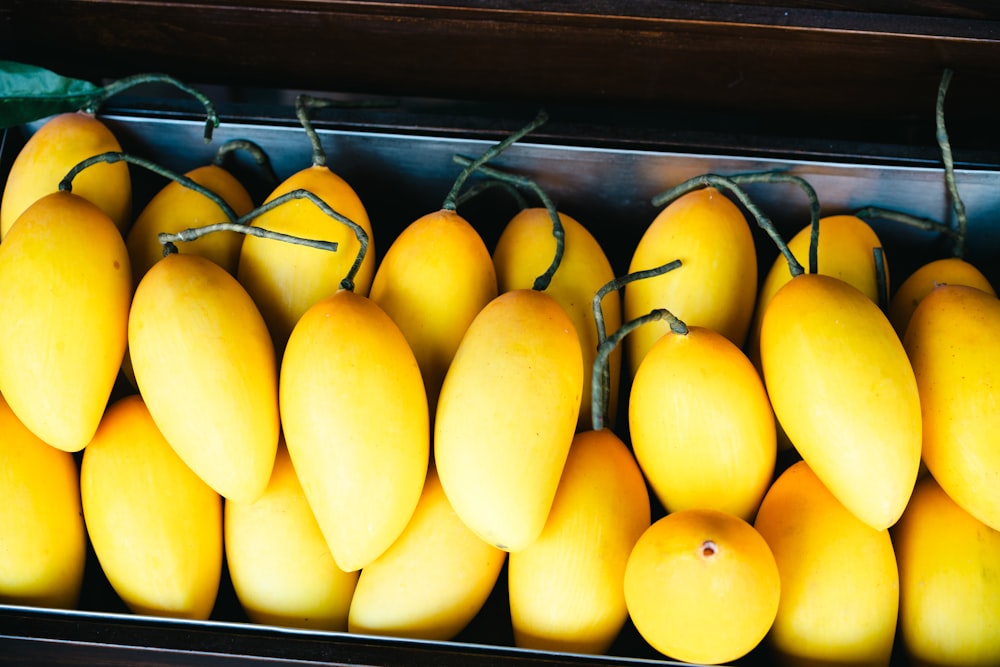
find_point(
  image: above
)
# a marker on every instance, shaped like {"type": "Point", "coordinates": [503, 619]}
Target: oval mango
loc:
{"type": "Point", "coordinates": [839, 580]}
{"type": "Point", "coordinates": [433, 280]}
{"type": "Point", "coordinates": [282, 570]}
{"type": "Point", "coordinates": [41, 520]}
{"type": "Point", "coordinates": [701, 424]}
{"type": "Point", "coordinates": [176, 207]}
{"type": "Point", "coordinates": [285, 279]}
{"type": "Point", "coordinates": [61, 143]}
{"type": "Point", "coordinates": [949, 577]}
{"type": "Point", "coordinates": [507, 415]}
{"type": "Point", "coordinates": [355, 419]}
{"type": "Point", "coordinates": [204, 363]}
{"type": "Point", "coordinates": [65, 286]}
{"type": "Point", "coordinates": [952, 343]}
{"type": "Point", "coordinates": [945, 271]}
{"type": "Point", "coordinates": [155, 526]}
{"type": "Point", "coordinates": [717, 286]}
{"type": "Point", "coordinates": [566, 589]}
{"type": "Point", "coordinates": [524, 251]}
{"type": "Point", "coordinates": [845, 393]}
{"type": "Point", "coordinates": [432, 581]}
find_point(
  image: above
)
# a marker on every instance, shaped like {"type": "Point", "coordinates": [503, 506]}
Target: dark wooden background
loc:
{"type": "Point", "coordinates": [820, 69]}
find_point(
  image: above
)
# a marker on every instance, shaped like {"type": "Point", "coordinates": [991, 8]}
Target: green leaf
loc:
{"type": "Point", "coordinates": [28, 92]}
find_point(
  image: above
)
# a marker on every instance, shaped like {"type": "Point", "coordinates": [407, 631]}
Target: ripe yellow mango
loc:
{"type": "Point", "coordinates": [282, 570]}
{"type": "Point", "coordinates": [177, 207]}
{"type": "Point", "coordinates": [949, 577]}
{"type": "Point", "coordinates": [945, 271]}
{"type": "Point", "coordinates": [507, 415]}
{"type": "Point", "coordinates": [156, 527]}
{"type": "Point", "coordinates": [355, 419]}
{"type": "Point", "coordinates": [285, 279]}
{"type": "Point", "coordinates": [952, 343]}
{"type": "Point", "coordinates": [701, 424]}
{"type": "Point", "coordinates": [839, 582]}
{"type": "Point", "coordinates": [433, 280]}
{"type": "Point", "coordinates": [844, 391]}
{"type": "Point", "coordinates": [204, 363]}
{"type": "Point", "coordinates": [716, 287]}
{"type": "Point", "coordinates": [65, 286]}
{"type": "Point", "coordinates": [566, 589]}
{"type": "Point", "coordinates": [61, 143]}
{"type": "Point", "coordinates": [41, 520]}
{"type": "Point", "coordinates": [525, 250]}
{"type": "Point", "coordinates": [434, 578]}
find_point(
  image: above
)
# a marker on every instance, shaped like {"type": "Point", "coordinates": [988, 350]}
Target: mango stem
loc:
{"type": "Point", "coordinates": [259, 155]}
{"type": "Point", "coordinates": [709, 180]}
{"type": "Point", "coordinates": [110, 157]}
{"type": "Point", "coordinates": [961, 221]}
{"type": "Point", "coordinates": [115, 87]}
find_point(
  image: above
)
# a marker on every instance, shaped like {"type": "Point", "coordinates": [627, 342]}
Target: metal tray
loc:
{"type": "Point", "coordinates": [401, 163]}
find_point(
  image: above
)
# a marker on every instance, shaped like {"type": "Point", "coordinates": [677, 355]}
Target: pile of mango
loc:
{"type": "Point", "coordinates": [369, 443]}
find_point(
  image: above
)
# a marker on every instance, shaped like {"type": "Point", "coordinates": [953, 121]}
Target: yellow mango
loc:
{"type": "Point", "coordinates": [945, 271]}
{"type": "Point", "coordinates": [507, 415]}
{"type": "Point", "coordinates": [355, 419]}
{"type": "Point", "coordinates": [839, 582]}
{"type": "Point", "coordinates": [844, 391]}
{"type": "Point", "coordinates": [433, 280]}
{"type": "Point", "coordinates": [285, 279]}
{"type": "Point", "coordinates": [701, 424]}
{"type": "Point", "coordinates": [949, 577]}
{"type": "Point", "coordinates": [525, 250]}
{"type": "Point", "coordinates": [952, 343]}
{"type": "Point", "coordinates": [65, 287]}
{"type": "Point", "coordinates": [41, 520]}
{"type": "Point", "coordinates": [61, 143]}
{"type": "Point", "coordinates": [282, 570]}
{"type": "Point", "coordinates": [156, 527]}
{"type": "Point", "coordinates": [845, 250]}
{"type": "Point", "coordinates": [434, 578]}
{"type": "Point", "coordinates": [566, 589]}
{"type": "Point", "coordinates": [204, 363]}
{"type": "Point", "coordinates": [716, 287]}
{"type": "Point", "coordinates": [176, 207]}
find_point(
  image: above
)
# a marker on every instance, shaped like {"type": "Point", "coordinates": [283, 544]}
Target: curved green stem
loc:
{"type": "Point", "coordinates": [194, 233]}
{"type": "Point", "coordinates": [304, 105]}
{"type": "Point", "coordinates": [949, 166]}
{"type": "Point", "coordinates": [707, 180]}
{"type": "Point", "coordinates": [881, 278]}
{"type": "Point", "coordinates": [450, 202]}
{"type": "Point", "coordinates": [478, 188]}
{"type": "Point", "coordinates": [258, 154]}
{"type": "Point", "coordinates": [598, 391]}
{"type": "Point", "coordinates": [925, 224]}
{"type": "Point", "coordinates": [613, 285]}
{"type": "Point", "coordinates": [542, 281]}
{"type": "Point", "coordinates": [810, 192]}
{"type": "Point", "coordinates": [115, 87]}
{"type": "Point", "coordinates": [111, 157]}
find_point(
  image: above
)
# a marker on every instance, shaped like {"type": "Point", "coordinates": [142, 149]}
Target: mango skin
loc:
{"type": "Point", "coordinates": [507, 415]}
{"type": "Point", "coordinates": [355, 418]}
{"type": "Point", "coordinates": [525, 250]}
{"type": "Point", "coordinates": [204, 363]}
{"type": "Point", "coordinates": [432, 581]}
{"type": "Point", "coordinates": [65, 286]}
{"type": "Point", "coordinates": [701, 424]}
{"type": "Point", "coordinates": [176, 207]}
{"type": "Point", "coordinates": [952, 343]}
{"type": "Point", "coordinates": [567, 588]}
{"type": "Point", "coordinates": [944, 271]}
{"type": "Point", "coordinates": [839, 580]}
{"type": "Point", "coordinates": [844, 391]}
{"type": "Point", "coordinates": [433, 280]}
{"type": "Point", "coordinates": [51, 152]}
{"type": "Point", "coordinates": [949, 573]}
{"type": "Point", "coordinates": [285, 279]}
{"type": "Point", "coordinates": [41, 520]}
{"type": "Point", "coordinates": [281, 568]}
{"type": "Point", "coordinates": [155, 526]}
{"type": "Point", "coordinates": [716, 285]}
